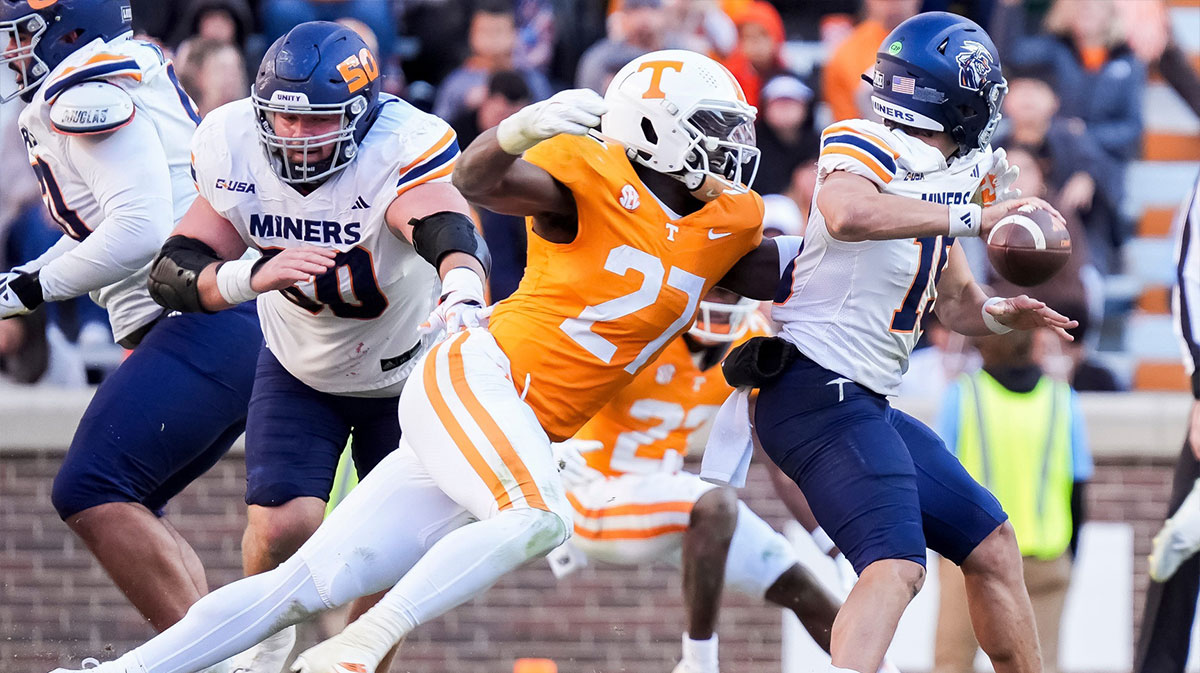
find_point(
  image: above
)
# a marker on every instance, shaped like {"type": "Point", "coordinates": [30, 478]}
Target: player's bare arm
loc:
{"type": "Point", "coordinates": [491, 173]}
{"type": "Point", "coordinates": [435, 218]}
{"type": "Point", "coordinates": [855, 210]}
{"type": "Point", "coordinates": [185, 274]}
{"type": "Point", "coordinates": [961, 305]}
{"type": "Point", "coordinates": [756, 275]}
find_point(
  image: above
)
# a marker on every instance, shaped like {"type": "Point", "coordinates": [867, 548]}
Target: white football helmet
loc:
{"type": "Point", "coordinates": [683, 114]}
{"type": "Point", "coordinates": [720, 320]}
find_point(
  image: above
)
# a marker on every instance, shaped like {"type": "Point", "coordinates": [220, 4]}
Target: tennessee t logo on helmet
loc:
{"type": "Point", "coordinates": [657, 68]}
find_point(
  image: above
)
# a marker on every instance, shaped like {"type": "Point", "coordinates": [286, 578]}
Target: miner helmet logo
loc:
{"type": "Point", "coordinates": [974, 64]}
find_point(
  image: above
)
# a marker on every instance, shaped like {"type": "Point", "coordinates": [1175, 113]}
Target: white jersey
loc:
{"type": "Point", "coordinates": [354, 330]}
{"type": "Point", "coordinates": [85, 194]}
{"type": "Point", "coordinates": [855, 307]}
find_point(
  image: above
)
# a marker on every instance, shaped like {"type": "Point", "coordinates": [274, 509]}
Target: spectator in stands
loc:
{"type": "Point", "coordinates": [941, 356]}
{"type": "Point", "coordinates": [24, 352]}
{"type": "Point", "coordinates": [1075, 361]}
{"type": "Point", "coordinates": [1076, 171]}
{"type": "Point", "coordinates": [212, 73]}
{"type": "Point", "coordinates": [781, 216]}
{"type": "Point", "coordinates": [507, 93]}
{"type": "Point", "coordinates": [759, 53]}
{"type": "Point", "coordinates": [225, 21]}
{"type": "Point", "coordinates": [1085, 57]}
{"type": "Point", "coordinates": [491, 38]}
{"type": "Point", "coordinates": [843, 88]}
{"type": "Point", "coordinates": [1038, 470]}
{"type": "Point", "coordinates": [785, 132]}
{"type": "Point", "coordinates": [701, 25]}
{"type": "Point", "coordinates": [280, 16]}
{"type": "Point", "coordinates": [536, 32]}
{"type": "Point", "coordinates": [639, 27]}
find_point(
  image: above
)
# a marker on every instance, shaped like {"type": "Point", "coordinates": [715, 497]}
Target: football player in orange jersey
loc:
{"type": "Point", "coordinates": [634, 505]}
{"type": "Point", "coordinates": [628, 232]}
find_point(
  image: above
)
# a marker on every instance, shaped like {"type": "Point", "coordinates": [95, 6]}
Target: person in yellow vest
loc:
{"type": "Point", "coordinates": [1020, 433]}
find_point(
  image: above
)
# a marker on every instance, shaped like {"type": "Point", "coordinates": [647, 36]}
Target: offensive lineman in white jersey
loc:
{"type": "Point", "coordinates": [107, 130]}
{"type": "Point", "coordinates": [879, 248]}
{"type": "Point", "coordinates": [346, 193]}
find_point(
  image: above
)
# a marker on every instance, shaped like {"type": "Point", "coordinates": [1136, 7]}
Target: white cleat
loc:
{"type": "Point", "coordinates": [336, 655]}
{"type": "Point", "coordinates": [91, 665]}
{"type": "Point", "coordinates": [269, 656]}
{"type": "Point", "coordinates": [1179, 538]}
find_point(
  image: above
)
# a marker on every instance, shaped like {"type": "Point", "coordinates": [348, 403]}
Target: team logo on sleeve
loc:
{"type": "Point", "coordinates": [629, 198]}
{"type": "Point", "coordinates": [974, 64]}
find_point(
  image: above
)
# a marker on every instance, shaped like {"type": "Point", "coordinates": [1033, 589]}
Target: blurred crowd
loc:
{"type": "Point", "coordinates": [1073, 116]}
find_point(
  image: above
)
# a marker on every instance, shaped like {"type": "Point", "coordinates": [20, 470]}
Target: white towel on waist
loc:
{"type": "Point", "coordinates": [730, 443]}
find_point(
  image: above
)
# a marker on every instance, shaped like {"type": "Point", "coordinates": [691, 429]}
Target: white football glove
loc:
{"type": "Point", "coordinates": [460, 307]}
{"type": "Point", "coordinates": [10, 304]}
{"type": "Point", "coordinates": [572, 465]}
{"type": "Point", "coordinates": [998, 183]}
{"type": "Point", "coordinates": [574, 111]}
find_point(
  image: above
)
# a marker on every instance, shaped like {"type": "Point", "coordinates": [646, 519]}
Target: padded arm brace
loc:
{"type": "Point", "coordinates": [439, 234]}
{"type": "Point", "coordinates": [176, 271]}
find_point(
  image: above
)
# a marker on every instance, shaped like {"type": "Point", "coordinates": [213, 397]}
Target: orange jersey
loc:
{"type": "Point", "coordinates": [658, 411]}
{"type": "Point", "coordinates": [590, 314]}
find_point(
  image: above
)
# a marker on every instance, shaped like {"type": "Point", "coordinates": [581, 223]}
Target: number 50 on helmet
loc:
{"type": "Point", "coordinates": [683, 114]}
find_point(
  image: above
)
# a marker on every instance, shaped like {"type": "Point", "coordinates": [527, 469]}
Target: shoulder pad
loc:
{"type": "Point", "coordinates": [91, 108]}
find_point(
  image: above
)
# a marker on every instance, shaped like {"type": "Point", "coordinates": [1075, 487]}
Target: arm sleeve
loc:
{"type": "Point", "coordinates": [947, 418]}
{"type": "Point", "coordinates": [128, 174]}
{"type": "Point", "coordinates": [1009, 31]}
{"type": "Point", "coordinates": [60, 247]}
{"type": "Point", "coordinates": [1187, 285]}
{"type": "Point", "coordinates": [1081, 453]}
{"type": "Point", "coordinates": [847, 148]}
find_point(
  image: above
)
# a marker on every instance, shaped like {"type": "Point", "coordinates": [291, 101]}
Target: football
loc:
{"type": "Point", "coordinates": [1029, 246]}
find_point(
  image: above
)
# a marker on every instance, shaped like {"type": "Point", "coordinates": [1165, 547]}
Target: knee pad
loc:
{"type": "Point", "coordinates": [757, 555]}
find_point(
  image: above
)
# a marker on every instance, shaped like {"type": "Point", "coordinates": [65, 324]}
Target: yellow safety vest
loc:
{"type": "Point", "coordinates": [1018, 445]}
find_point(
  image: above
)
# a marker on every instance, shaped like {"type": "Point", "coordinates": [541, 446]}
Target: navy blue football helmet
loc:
{"type": "Point", "coordinates": [940, 72]}
{"type": "Point", "coordinates": [37, 35]}
{"type": "Point", "coordinates": [317, 68]}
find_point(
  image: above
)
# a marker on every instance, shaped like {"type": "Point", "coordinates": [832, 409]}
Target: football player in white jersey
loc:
{"type": "Point", "coordinates": [107, 129]}
{"type": "Point", "coordinates": [879, 248]}
{"type": "Point", "coordinates": [346, 193]}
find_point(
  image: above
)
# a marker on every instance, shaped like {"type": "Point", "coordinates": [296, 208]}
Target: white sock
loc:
{"type": "Point", "coordinates": [701, 653]}
{"type": "Point", "coordinates": [457, 568]}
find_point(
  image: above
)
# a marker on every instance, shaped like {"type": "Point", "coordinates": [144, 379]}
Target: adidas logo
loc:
{"type": "Point", "coordinates": [360, 204]}
{"type": "Point", "coordinates": [966, 220]}
{"type": "Point", "coordinates": [975, 171]}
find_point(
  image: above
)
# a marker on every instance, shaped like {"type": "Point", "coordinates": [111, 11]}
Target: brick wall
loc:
{"type": "Point", "coordinates": [56, 604]}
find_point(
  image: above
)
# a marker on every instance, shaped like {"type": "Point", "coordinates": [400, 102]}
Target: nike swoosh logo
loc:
{"type": "Point", "coordinates": [712, 235]}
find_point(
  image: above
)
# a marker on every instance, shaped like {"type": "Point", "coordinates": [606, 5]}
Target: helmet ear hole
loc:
{"type": "Point", "coordinates": [649, 132]}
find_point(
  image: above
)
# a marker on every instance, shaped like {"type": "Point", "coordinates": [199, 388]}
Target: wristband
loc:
{"type": "Point", "coordinates": [233, 281]}
{"type": "Point", "coordinates": [990, 320]}
{"type": "Point", "coordinates": [965, 220]}
{"type": "Point", "coordinates": [463, 281]}
{"type": "Point", "coordinates": [822, 540]}
{"type": "Point", "coordinates": [511, 135]}
{"type": "Point", "coordinates": [28, 288]}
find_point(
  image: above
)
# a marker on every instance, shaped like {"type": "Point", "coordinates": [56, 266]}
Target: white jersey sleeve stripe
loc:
{"type": "Point", "coordinates": [441, 154]}
{"type": "Point", "coordinates": [107, 65]}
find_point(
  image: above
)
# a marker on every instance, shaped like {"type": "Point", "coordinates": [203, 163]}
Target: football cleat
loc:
{"type": "Point", "coordinates": [688, 667]}
{"type": "Point", "coordinates": [335, 656]}
{"type": "Point", "coordinates": [1179, 538]}
{"type": "Point", "coordinates": [269, 656]}
{"type": "Point", "coordinates": [91, 665]}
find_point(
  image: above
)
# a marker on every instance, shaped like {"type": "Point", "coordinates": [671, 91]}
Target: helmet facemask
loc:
{"type": "Point", "coordinates": [718, 322]}
{"type": "Point", "coordinates": [307, 171]}
{"type": "Point", "coordinates": [25, 33]}
{"type": "Point", "coordinates": [721, 155]}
